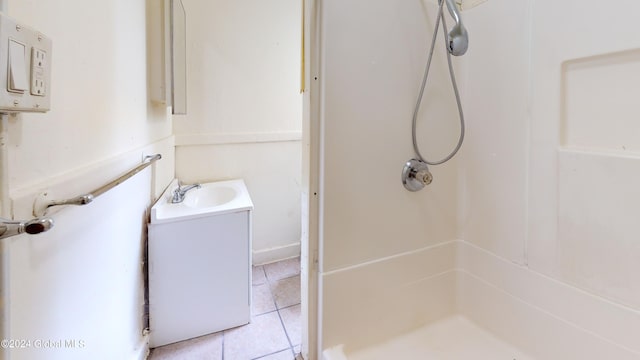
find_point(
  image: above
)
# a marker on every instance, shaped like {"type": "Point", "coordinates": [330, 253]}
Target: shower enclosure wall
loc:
{"type": "Point", "coordinates": [530, 232]}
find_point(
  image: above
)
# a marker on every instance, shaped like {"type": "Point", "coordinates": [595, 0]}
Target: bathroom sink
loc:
{"type": "Point", "coordinates": [211, 198]}
{"type": "Point", "coordinates": [206, 239]}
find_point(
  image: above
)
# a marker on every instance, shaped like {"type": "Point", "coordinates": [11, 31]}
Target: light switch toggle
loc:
{"type": "Point", "coordinates": [17, 67]}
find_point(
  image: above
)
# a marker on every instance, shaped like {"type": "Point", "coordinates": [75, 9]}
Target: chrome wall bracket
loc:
{"type": "Point", "coordinates": [416, 175]}
{"type": "Point", "coordinates": [10, 228]}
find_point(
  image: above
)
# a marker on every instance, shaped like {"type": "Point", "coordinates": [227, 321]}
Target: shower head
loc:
{"type": "Point", "coordinates": [458, 36]}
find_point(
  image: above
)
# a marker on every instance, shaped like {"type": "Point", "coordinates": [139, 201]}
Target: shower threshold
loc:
{"type": "Point", "coordinates": [453, 338]}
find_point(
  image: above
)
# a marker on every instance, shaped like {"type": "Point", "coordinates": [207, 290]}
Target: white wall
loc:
{"type": "Point", "coordinates": [245, 111]}
{"type": "Point", "coordinates": [372, 56]}
{"type": "Point", "coordinates": [99, 89]}
{"type": "Point", "coordinates": [83, 280]}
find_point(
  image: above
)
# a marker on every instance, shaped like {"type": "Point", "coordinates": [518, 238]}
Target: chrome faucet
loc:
{"type": "Point", "coordinates": [180, 191]}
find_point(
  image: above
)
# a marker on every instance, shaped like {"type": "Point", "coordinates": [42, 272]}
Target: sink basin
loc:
{"type": "Point", "coordinates": [211, 198]}
{"type": "Point", "coordinates": [210, 195]}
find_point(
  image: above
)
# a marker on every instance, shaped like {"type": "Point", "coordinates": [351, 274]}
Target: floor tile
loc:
{"type": "Point", "coordinates": [282, 269]}
{"type": "Point", "coordinates": [264, 335]}
{"type": "Point", "coordinates": [286, 292]}
{"type": "Point", "coordinates": [261, 300]}
{"type": "Point", "coordinates": [292, 324]}
{"type": "Point", "coordinates": [207, 347]}
{"type": "Point", "coordinates": [257, 275]}
{"type": "Point", "coordinates": [282, 355]}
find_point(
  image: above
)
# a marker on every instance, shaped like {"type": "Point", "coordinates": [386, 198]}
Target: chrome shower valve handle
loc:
{"type": "Point", "coordinates": [424, 176]}
{"type": "Point", "coordinates": [416, 175]}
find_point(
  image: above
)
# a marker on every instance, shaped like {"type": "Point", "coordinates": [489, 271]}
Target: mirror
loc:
{"type": "Point", "coordinates": [167, 54]}
{"type": "Point", "coordinates": [178, 57]}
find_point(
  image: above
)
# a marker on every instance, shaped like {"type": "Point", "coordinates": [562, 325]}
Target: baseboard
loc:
{"type": "Point", "coordinates": [266, 256]}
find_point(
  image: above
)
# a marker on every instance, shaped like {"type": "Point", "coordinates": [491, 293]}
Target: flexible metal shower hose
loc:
{"type": "Point", "coordinates": [455, 90]}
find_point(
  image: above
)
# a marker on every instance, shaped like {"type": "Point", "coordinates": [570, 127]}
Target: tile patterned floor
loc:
{"type": "Point", "coordinates": [274, 331]}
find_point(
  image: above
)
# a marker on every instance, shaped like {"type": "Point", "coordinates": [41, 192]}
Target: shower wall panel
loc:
{"type": "Point", "coordinates": [373, 55]}
{"type": "Point", "coordinates": [551, 161]}
{"type": "Point", "coordinates": [584, 148]}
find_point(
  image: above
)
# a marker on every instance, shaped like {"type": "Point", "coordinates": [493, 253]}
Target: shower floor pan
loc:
{"type": "Point", "coordinates": [453, 338]}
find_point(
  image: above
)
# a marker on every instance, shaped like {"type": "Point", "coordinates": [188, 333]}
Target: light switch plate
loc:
{"type": "Point", "coordinates": [25, 71]}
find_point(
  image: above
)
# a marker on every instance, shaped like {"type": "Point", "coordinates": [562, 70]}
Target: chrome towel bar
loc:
{"type": "Point", "coordinates": [87, 198]}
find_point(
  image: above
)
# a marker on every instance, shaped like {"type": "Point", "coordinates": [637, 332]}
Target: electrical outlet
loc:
{"type": "Point", "coordinates": [38, 64]}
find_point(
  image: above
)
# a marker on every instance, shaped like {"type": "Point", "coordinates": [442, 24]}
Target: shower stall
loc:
{"type": "Point", "coordinates": [526, 243]}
